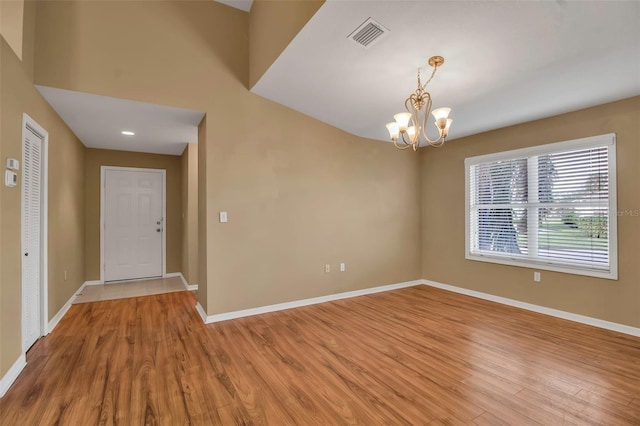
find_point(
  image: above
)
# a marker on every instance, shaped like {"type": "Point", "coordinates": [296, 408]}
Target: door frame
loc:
{"type": "Point", "coordinates": [44, 231]}
{"type": "Point", "coordinates": [103, 172]}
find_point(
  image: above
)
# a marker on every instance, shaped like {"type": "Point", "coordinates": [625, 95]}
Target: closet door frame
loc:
{"type": "Point", "coordinates": [29, 124]}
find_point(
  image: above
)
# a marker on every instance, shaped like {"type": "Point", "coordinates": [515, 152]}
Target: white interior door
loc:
{"type": "Point", "coordinates": [133, 223]}
{"type": "Point", "coordinates": [32, 219]}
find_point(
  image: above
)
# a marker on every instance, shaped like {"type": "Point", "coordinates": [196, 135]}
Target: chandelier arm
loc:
{"type": "Point", "coordinates": [427, 111]}
{"type": "Point", "coordinates": [415, 120]}
{"type": "Point", "coordinates": [404, 141]}
{"type": "Point", "coordinates": [400, 146]}
{"type": "Point", "coordinates": [436, 142]}
{"type": "Point", "coordinates": [408, 105]}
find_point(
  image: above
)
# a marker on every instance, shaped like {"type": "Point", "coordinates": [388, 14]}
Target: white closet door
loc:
{"type": "Point", "coordinates": [133, 224]}
{"type": "Point", "coordinates": [31, 237]}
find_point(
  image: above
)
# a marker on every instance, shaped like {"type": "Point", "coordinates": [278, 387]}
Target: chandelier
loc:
{"type": "Point", "coordinates": [410, 128]}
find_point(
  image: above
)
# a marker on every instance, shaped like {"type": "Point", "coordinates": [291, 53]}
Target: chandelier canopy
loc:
{"type": "Point", "coordinates": [410, 127]}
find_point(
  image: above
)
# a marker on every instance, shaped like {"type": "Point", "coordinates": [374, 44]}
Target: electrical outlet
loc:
{"type": "Point", "coordinates": [327, 268]}
{"type": "Point", "coordinates": [536, 276]}
{"type": "Point", "coordinates": [65, 274]}
{"type": "Point", "coordinates": [342, 267]}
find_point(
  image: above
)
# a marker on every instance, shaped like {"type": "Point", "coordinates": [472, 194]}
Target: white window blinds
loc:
{"type": "Point", "coordinates": [549, 207]}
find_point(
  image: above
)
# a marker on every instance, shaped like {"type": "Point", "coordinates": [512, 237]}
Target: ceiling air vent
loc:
{"type": "Point", "coordinates": [369, 33]}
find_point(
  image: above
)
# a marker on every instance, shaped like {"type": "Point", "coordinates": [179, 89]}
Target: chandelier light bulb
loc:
{"type": "Point", "coordinates": [412, 132]}
{"type": "Point", "coordinates": [445, 131]}
{"type": "Point", "coordinates": [394, 130]}
{"type": "Point", "coordinates": [402, 118]}
{"type": "Point", "coordinates": [441, 113]}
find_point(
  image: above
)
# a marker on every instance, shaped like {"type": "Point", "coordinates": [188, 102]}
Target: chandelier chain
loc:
{"type": "Point", "coordinates": [430, 78]}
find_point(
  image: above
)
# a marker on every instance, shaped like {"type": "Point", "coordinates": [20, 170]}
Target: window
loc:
{"type": "Point", "coordinates": [549, 207]}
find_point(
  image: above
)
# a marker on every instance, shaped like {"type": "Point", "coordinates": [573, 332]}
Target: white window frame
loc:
{"type": "Point", "coordinates": [583, 143]}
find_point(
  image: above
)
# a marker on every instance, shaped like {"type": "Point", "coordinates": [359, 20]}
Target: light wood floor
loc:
{"type": "Point", "coordinates": [123, 290]}
{"type": "Point", "coordinates": [413, 356]}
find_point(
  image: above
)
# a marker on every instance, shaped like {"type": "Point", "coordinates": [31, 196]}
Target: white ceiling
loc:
{"type": "Point", "coordinates": [506, 62]}
{"type": "Point", "coordinates": [98, 121]}
{"type": "Point", "coordinates": [238, 4]}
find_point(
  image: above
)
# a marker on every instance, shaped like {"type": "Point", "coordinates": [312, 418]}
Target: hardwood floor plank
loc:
{"type": "Point", "coordinates": [422, 370]}
{"type": "Point", "coordinates": [304, 404]}
{"type": "Point", "coordinates": [232, 415]}
{"type": "Point", "coordinates": [412, 356]}
{"type": "Point", "coordinates": [446, 383]}
{"type": "Point", "coordinates": [575, 410]}
{"type": "Point", "coordinates": [340, 399]}
{"type": "Point", "coordinates": [241, 376]}
{"type": "Point", "coordinates": [610, 403]}
{"type": "Point", "coordinates": [200, 409]}
{"type": "Point", "coordinates": [449, 421]}
{"type": "Point", "coordinates": [488, 419]}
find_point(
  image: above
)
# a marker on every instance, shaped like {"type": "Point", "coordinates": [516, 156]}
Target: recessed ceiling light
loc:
{"type": "Point", "coordinates": [127, 133]}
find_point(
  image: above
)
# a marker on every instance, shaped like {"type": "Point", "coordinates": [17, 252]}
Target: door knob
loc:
{"type": "Point", "coordinates": [158, 230]}
{"type": "Point", "coordinates": [26, 254]}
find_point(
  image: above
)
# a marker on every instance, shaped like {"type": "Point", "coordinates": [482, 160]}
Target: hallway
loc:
{"type": "Point", "coordinates": [123, 290]}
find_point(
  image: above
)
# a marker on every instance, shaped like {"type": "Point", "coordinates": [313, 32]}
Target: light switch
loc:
{"type": "Point", "coordinates": [223, 217]}
{"type": "Point", "coordinates": [13, 164]}
{"type": "Point", "coordinates": [10, 178]}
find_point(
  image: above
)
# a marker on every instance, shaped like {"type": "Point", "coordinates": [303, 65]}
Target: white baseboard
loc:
{"type": "Point", "coordinates": [56, 319]}
{"type": "Point", "coordinates": [202, 313]}
{"type": "Point", "coordinates": [304, 302]}
{"type": "Point", "coordinates": [190, 287]}
{"type": "Point", "coordinates": [94, 282]}
{"type": "Point", "coordinates": [12, 374]}
{"type": "Point", "coordinates": [621, 328]}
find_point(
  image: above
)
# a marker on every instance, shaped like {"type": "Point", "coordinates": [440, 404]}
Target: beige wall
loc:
{"type": "Point", "coordinates": [94, 159]}
{"type": "Point", "coordinates": [189, 161]}
{"type": "Point", "coordinates": [11, 24]}
{"type": "Point", "coordinates": [17, 26]}
{"type": "Point", "coordinates": [443, 217]}
{"type": "Point", "coordinates": [299, 193]}
{"type": "Point", "coordinates": [66, 200]}
{"type": "Point", "coordinates": [300, 198]}
{"type": "Point", "coordinates": [178, 53]}
{"type": "Point", "coordinates": [272, 26]}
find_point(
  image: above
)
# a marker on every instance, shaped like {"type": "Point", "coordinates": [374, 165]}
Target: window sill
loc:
{"type": "Point", "coordinates": [545, 266]}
